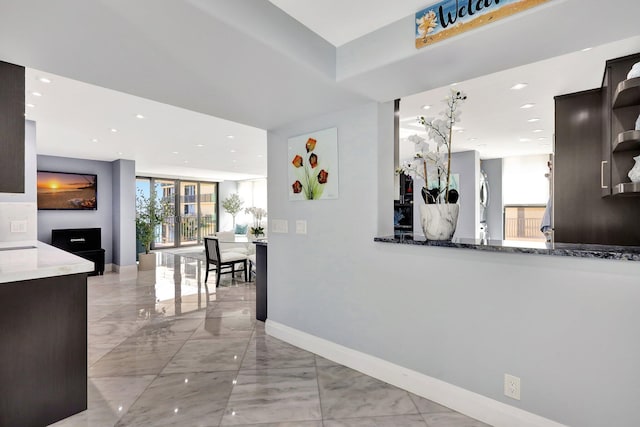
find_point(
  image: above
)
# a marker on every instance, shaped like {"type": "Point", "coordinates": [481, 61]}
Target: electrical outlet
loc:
{"type": "Point", "coordinates": [301, 226]}
{"type": "Point", "coordinates": [512, 386]}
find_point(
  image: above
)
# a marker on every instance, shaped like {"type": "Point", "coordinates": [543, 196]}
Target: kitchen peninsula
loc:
{"type": "Point", "coordinates": [581, 250]}
{"type": "Point", "coordinates": [43, 330]}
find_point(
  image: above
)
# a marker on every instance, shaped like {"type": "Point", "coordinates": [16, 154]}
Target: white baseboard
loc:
{"type": "Point", "coordinates": [126, 270]}
{"type": "Point", "coordinates": [108, 268]}
{"type": "Point", "coordinates": [464, 401]}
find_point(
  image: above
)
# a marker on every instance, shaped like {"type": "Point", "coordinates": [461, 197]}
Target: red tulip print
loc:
{"type": "Point", "coordinates": [311, 144]}
{"type": "Point", "coordinates": [297, 161]}
{"type": "Point", "coordinates": [323, 176]}
{"type": "Point", "coordinates": [313, 157]}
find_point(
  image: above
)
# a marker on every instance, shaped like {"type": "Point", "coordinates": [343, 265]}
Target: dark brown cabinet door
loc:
{"type": "Point", "coordinates": [581, 214]}
{"type": "Point", "coordinates": [11, 128]}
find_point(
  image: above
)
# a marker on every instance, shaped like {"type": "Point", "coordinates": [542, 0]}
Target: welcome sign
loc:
{"type": "Point", "coordinates": [449, 18]}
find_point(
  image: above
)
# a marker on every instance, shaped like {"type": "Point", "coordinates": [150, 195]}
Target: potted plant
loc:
{"type": "Point", "coordinates": [439, 213]}
{"type": "Point", "coordinates": [258, 214]}
{"type": "Point", "coordinates": [233, 205]}
{"type": "Point", "coordinates": [150, 212]}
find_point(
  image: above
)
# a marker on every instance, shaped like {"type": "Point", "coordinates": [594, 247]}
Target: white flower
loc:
{"type": "Point", "coordinates": [430, 165]}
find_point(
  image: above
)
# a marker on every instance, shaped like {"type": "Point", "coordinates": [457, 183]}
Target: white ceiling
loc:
{"type": "Point", "coordinates": [341, 21]}
{"type": "Point", "coordinates": [493, 122]}
{"type": "Point", "coordinates": [169, 141]}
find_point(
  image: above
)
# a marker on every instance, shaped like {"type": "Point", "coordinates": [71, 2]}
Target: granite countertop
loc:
{"type": "Point", "coordinates": [34, 260]}
{"type": "Point", "coordinates": [260, 242]}
{"type": "Point", "coordinates": [626, 253]}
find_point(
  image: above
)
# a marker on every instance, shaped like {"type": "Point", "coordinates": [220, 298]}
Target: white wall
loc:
{"type": "Point", "coordinates": [523, 180]}
{"type": "Point", "coordinates": [495, 207]}
{"type": "Point", "coordinates": [566, 326]}
{"type": "Point", "coordinates": [254, 193]}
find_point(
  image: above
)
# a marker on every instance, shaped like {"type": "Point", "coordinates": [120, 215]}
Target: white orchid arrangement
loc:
{"type": "Point", "coordinates": [258, 214]}
{"type": "Point", "coordinates": [440, 132]}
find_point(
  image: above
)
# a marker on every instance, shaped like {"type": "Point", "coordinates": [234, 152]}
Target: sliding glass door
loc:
{"type": "Point", "coordinates": [208, 209]}
{"type": "Point", "coordinates": [166, 191]}
{"type": "Point", "coordinates": [188, 213]}
{"type": "Point", "coordinates": [194, 206]}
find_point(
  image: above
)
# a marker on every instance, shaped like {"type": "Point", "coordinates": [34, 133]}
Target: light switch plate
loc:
{"type": "Point", "coordinates": [19, 226]}
{"type": "Point", "coordinates": [279, 226]}
{"type": "Point", "coordinates": [301, 226]}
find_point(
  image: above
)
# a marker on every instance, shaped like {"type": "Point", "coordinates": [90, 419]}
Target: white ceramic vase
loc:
{"type": "Point", "coordinates": [439, 221]}
{"type": "Point", "coordinates": [635, 71]}
{"type": "Point", "coordinates": [634, 173]}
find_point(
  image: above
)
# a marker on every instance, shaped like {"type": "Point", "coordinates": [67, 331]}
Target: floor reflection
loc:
{"type": "Point", "coordinates": [166, 349]}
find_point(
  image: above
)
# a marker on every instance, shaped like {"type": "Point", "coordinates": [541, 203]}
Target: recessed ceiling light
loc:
{"type": "Point", "coordinates": [542, 138]}
{"type": "Point", "coordinates": [44, 80]}
{"type": "Point", "coordinates": [426, 107]}
{"type": "Point", "coordinates": [119, 153]}
{"type": "Point", "coordinates": [114, 130]}
{"type": "Point", "coordinates": [232, 151]}
{"type": "Point", "coordinates": [473, 139]}
{"type": "Point", "coordinates": [234, 161]}
{"type": "Point", "coordinates": [460, 131]}
{"type": "Point", "coordinates": [30, 105]}
{"type": "Point", "coordinates": [538, 131]}
{"type": "Point", "coordinates": [230, 136]}
{"type": "Point", "coordinates": [260, 155]}
{"type": "Point", "coordinates": [94, 140]}
{"type": "Point", "coordinates": [535, 119]}
{"type": "Point", "coordinates": [457, 127]}
{"type": "Point", "coordinates": [454, 84]}
{"type": "Point", "coordinates": [174, 152]}
{"type": "Point", "coordinates": [186, 161]}
{"type": "Point", "coordinates": [525, 140]}
{"type": "Point", "coordinates": [139, 116]}
{"type": "Point", "coordinates": [36, 94]}
{"type": "Point", "coordinates": [526, 106]}
{"type": "Point", "coordinates": [586, 49]}
{"type": "Point", "coordinates": [519, 86]}
{"type": "Point", "coordinates": [200, 145]}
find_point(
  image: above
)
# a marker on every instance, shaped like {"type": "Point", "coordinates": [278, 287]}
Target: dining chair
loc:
{"type": "Point", "coordinates": [228, 244]}
{"type": "Point", "coordinates": [252, 265]}
{"type": "Point", "coordinates": [222, 263]}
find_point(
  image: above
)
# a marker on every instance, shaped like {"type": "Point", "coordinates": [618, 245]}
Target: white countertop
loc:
{"type": "Point", "coordinates": [38, 261]}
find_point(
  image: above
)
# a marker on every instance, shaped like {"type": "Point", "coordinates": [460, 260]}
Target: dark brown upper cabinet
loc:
{"type": "Point", "coordinates": [11, 128]}
{"type": "Point", "coordinates": [621, 142]}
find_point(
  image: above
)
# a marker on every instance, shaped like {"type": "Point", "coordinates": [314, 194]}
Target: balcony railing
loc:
{"type": "Point", "coordinates": [189, 227]}
{"type": "Point", "coordinates": [523, 228]}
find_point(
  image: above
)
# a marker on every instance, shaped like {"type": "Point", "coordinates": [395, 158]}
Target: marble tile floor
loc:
{"type": "Point", "coordinates": [165, 350]}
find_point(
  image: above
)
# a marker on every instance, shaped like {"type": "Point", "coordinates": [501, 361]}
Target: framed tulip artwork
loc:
{"type": "Point", "coordinates": [313, 165]}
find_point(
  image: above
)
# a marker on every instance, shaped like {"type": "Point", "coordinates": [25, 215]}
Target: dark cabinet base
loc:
{"type": "Point", "coordinates": [43, 356]}
{"type": "Point", "coordinates": [261, 282]}
{"type": "Point", "coordinates": [97, 256]}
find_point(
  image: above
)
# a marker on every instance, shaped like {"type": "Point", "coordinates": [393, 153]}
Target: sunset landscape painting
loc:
{"type": "Point", "coordinates": [60, 190]}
